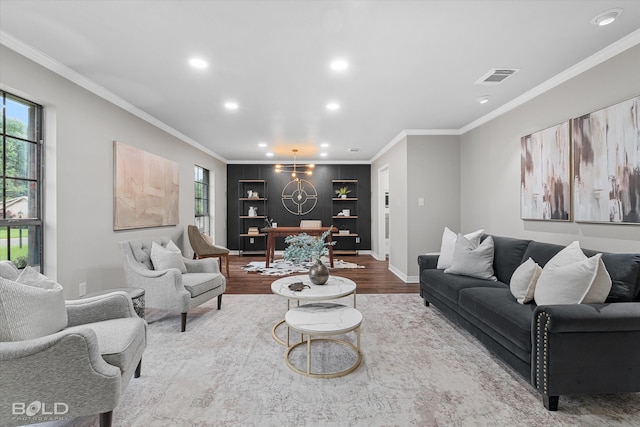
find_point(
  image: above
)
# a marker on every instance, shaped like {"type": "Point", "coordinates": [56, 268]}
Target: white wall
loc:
{"type": "Point", "coordinates": [419, 166]}
{"type": "Point", "coordinates": [434, 174]}
{"type": "Point", "coordinates": [490, 158]}
{"type": "Point", "coordinates": [81, 128]}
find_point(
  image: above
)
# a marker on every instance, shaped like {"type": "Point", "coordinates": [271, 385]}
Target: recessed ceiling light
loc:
{"type": "Point", "coordinates": [323, 154]}
{"type": "Point", "coordinates": [262, 144]}
{"type": "Point", "coordinates": [269, 154]}
{"type": "Point", "coordinates": [606, 17]}
{"type": "Point", "coordinates": [483, 99]}
{"type": "Point", "coordinates": [324, 145]}
{"type": "Point", "coordinates": [198, 63]}
{"type": "Point", "coordinates": [339, 65]}
{"type": "Point", "coordinates": [332, 106]}
{"type": "Point", "coordinates": [231, 105]}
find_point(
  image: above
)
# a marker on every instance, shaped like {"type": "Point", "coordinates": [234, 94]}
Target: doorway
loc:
{"type": "Point", "coordinates": [383, 212]}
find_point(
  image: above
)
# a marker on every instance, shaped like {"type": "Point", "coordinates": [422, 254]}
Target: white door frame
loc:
{"type": "Point", "coordinates": [383, 178]}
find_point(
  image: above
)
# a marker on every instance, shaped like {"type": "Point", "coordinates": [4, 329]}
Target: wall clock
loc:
{"type": "Point", "coordinates": [299, 197]}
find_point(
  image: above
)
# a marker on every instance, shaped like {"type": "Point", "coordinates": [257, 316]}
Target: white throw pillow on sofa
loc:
{"type": "Point", "coordinates": [473, 260]}
{"type": "Point", "coordinates": [448, 245]}
{"type": "Point", "coordinates": [32, 306]}
{"type": "Point", "coordinates": [572, 278]}
{"type": "Point", "coordinates": [524, 280]}
{"type": "Point", "coordinates": [167, 257]}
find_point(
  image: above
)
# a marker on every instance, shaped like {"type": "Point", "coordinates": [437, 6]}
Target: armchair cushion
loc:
{"type": "Point", "coordinates": [121, 341]}
{"type": "Point", "coordinates": [167, 257]}
{"type": "Point", "coordinates": [199, 283]}
{"type": "Point", "coordinates": [31, 307]}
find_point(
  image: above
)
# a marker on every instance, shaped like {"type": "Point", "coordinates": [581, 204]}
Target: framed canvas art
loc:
{"type": "Point", "coordinates": [606, 163]}
{"type": "Point", "coordinates": [146, 189]}
{"type": "Point", "coordinates": [545, 174]}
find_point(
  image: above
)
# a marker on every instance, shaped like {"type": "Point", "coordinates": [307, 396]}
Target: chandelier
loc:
{"type": "Point", "coordinates": [296, 169]}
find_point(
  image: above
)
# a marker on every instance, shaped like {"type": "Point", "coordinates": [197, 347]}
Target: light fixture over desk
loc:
{"type": "Point", "coordinates": [296, 169]}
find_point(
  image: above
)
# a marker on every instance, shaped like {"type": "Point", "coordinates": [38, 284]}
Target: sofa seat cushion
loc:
{"type": "Point", "coordinates": [121, 341]}
{"type": "Point", "coordinates": [450, 285]}
{"type": "Point", "coordinates": [498, 314]}
{"type": "Point", "coordinates": [199, 283]}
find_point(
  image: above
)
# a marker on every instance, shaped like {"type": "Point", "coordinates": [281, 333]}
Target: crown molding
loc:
{"type": "Point", "coordinates": [597, 58]}
{"type": "Point", "coordinates": [51, 64]}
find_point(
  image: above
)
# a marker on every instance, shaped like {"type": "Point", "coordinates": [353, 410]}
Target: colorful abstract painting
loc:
{"type": "Point", "coordinates": [146, 189]}
{"type": "Point", "coordinates": [606, 147]}
{"type": "Point", "coordinates": [545, 174]}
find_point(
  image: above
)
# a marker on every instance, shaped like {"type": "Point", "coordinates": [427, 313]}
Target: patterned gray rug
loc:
{"type": "Point", "coordinates": [280, 267]}
{"type": "Point", "coordinates": [418, 369]}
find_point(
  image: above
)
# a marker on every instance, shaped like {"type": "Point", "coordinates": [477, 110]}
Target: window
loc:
{"type": "Point", "coordinates": [21, 181]}
{"type": "Point", "coordinates": [202, 218]}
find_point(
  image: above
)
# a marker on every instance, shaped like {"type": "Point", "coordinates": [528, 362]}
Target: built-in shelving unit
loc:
{"type": "Point", "coordinates": [345, 217]}
{"type": "Point", "coordinates": [252, 212]}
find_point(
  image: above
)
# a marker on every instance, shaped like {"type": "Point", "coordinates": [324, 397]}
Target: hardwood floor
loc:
{"type": "Point", "coordinates": [375, 278]}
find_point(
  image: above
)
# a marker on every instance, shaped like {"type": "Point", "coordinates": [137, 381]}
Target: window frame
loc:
{"type": "Point", "coordinates": [36, 221]}
{"type": "Point", "coordinates": [202, 219]}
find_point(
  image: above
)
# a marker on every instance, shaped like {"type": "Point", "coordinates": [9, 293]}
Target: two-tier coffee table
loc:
{"type": "Point", "coordinates": [336, 287]}
{"type": "Point", "coordinates": [319, 322]}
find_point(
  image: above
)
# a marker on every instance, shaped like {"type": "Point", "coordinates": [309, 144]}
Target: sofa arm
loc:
{"type": "Point", "coordinates": [63, 367]}
{"type": "Point", "coordinates": [585, 349]}
{"type": "Point", "coordinates": [102, 307]}
{"type": "Point", "coordinates": [428, 261]}
{"type": "Point", "coordinates": [204, 265]}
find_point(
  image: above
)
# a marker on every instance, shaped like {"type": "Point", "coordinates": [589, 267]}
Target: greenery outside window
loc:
{"type": "Point", "coordinates": [21, 209]}
{"type": "Point", "coordinates": [201, 182]}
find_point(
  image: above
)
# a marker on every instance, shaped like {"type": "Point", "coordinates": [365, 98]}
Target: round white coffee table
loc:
{"type": "Point", "coordinates": [324, 320]}
{"type": "Point", "coordinates": [336, 287]}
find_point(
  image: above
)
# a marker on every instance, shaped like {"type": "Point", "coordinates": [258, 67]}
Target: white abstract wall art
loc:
{"type": "Point", "coordinates": [146, 189]}
{"type": "Point", "coordinates": [606, 147]}
{"type": "Point", "coordinates": [545, 174]}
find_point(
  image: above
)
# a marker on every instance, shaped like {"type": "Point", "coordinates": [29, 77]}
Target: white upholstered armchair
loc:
{"type": "Point", "coordinates": [63, 358]}
{"type": "Point", "coordinates": [174, 284]}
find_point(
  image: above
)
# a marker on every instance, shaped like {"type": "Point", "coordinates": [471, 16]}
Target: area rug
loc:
{"type": "Point", "coordinates": [418, 369]}
{"type": "Point", "coordinates": [280, 267]}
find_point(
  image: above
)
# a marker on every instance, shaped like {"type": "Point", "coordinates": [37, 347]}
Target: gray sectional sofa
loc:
{"type": "Point", "coordinates": [560, 349]}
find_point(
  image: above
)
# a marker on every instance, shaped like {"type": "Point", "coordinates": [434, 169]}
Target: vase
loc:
{"type": "Point", "coordinates": [318, 273]}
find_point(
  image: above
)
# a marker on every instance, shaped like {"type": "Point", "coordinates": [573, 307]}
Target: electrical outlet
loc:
{"type": "Point", "coordinates": [82, 289]}
{"type": "Point", "coordinates": [251, 240]}
{"type": "Point", "coordinates": [357, 240]}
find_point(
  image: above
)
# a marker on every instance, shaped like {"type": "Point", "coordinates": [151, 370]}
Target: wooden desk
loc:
{"type": "Point", "coordinates": [272, 233]}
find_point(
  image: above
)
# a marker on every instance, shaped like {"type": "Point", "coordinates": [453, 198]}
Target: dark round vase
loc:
{"type": "Point", "coordinates": [318, 273]}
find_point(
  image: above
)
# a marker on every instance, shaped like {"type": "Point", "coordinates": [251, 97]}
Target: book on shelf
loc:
{"type": "Point", "coordinates": [253, 230]}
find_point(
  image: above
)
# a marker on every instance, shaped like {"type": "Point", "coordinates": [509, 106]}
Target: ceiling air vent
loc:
{"type": "Point", "coordinates": [354, 149]}
{"type": "Point", "coordinates": [496, 76]}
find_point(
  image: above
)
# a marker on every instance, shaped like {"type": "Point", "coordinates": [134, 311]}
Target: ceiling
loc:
{"type": "Point", "coordinates": [412, 64]}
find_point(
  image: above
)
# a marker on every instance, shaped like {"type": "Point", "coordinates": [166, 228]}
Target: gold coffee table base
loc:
{"type": "Point", "coordinates": [277, 338]}
{"type": "Point", "coordinates": [308, 372]}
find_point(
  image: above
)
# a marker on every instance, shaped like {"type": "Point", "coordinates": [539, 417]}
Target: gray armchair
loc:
{"type": "Point", "coordinates": [83, 369]}
{"type": "Point", "coordinates": [170, 289]}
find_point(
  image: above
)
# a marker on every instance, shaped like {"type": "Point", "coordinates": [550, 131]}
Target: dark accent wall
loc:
{"type": "Point", "coordinates": [321, 179]}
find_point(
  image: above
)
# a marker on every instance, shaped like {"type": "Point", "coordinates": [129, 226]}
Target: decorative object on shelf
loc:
{"type": "Point", "coordinates": [343, 232]}
{"type": "Point", "coordinates": [342, 192]}
{"type": "Point", "coordinates": [253, 211]}
{"type": "Point", "coordinates": [253, 230]}
{"type": "Point", "coordinates": [249, 193]}
{"type": "Point", "coordinates": [295, 169]}
{"type": "Point", "coordinates": [545, 174]}
{"type": "Point", "coordinates": [346, 212]}
{"type": "Point", "coordinates": [299, 197]}
{"type": "Point", "coordinates": [303, 248]}
{"type": "Point", "coordinates": [606, 149]}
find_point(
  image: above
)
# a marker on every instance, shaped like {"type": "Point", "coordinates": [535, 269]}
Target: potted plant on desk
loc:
{"type": "Point", "coordinates": [304, 248]}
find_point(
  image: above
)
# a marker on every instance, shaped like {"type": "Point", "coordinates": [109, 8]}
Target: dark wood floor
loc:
{"type": "Point", "coordinates": [375, 278]}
